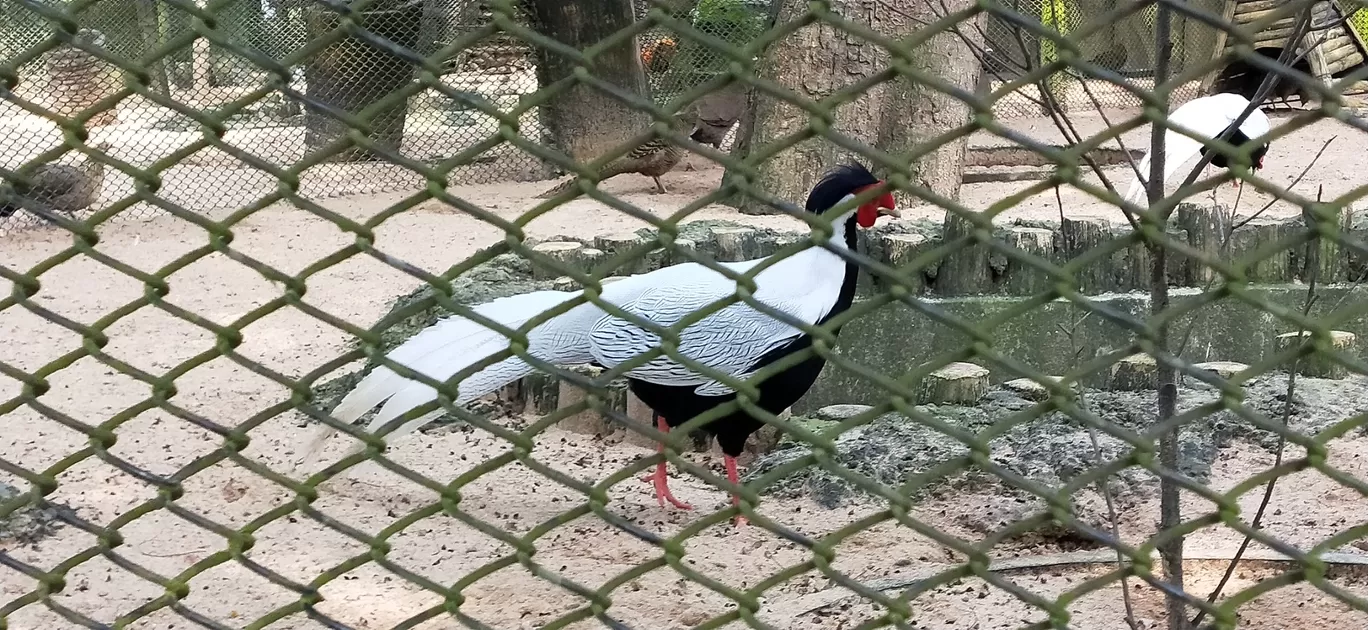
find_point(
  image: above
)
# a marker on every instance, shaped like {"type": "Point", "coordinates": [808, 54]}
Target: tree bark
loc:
{"type": "Point", "coordinates": [352, 74]}
{"type": "Point", "coordinates": [586, 122]}
{"type": "Point", "coordinates": [895, 116]}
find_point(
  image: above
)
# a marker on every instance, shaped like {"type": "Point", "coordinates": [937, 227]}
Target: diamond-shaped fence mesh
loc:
{"type": "Point", "coordinates": [1077, 379]}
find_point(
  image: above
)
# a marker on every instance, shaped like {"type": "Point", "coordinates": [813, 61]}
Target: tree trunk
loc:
{"type": "Point", "coordinates": [818, 59]}
{"type": "Point", "coordinates": [583, 121]}
{"type": "Point", "coordinates": [351, 74]}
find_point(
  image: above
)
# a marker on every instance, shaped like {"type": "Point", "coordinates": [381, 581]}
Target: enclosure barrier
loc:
{"type": "Point", "coordinates": [797, 125]}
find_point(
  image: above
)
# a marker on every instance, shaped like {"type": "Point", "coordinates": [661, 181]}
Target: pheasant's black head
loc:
{"type": "Point", "coordinates": [847, 180]}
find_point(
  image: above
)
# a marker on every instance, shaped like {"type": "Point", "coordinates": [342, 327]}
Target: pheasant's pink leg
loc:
{"type": "Point", "coordinates": [732, 476]}
{"type": "Point", "coordinates": [662, 487]}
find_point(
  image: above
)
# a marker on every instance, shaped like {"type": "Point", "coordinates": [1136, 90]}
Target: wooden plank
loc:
{"type": "Point", "coordinates": [1351, 60]}
{"type": "Point", "coordinates": [1221, 35]}
{"type": "Point", "coordinates": [1254, 16]}
{"type": "Point", "coordinates": [1258, 5]}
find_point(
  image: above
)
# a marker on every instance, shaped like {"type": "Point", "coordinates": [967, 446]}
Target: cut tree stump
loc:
{"type": "Point", "coordinates": [954, 384]}
{"type": "Point", "coordinates": [1318, 364]}
{"type": "Point", "coordinates": [567, 254]}
{"type": "Point", "coordinates": [641, 415]}
{"type": "Point", "coordinates": [540, 393]}
{"type": "Point", "coordinates": [1017, 277]}
{"type": "Point", "coordinates": [1137, 372]}
{"type": "Point", "coordinates": [1206, 231]}
{"type": "Point", "coordinates": [590, 421]}
{"type": "Point", "coordinates": [898, 250]}
{"type": "Point", "coordinates": [735, 244]}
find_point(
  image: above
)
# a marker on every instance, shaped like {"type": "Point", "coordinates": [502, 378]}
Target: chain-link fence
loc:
{"type": "Point", "coordinates": [1034, 397]}
{"type": "Point", "coordinates": [497, 70]}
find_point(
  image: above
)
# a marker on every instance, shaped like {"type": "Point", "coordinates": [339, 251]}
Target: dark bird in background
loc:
{"type": "Point", "coordinates": [658, 55]}
{"type": "Point", "coordinates": [811, 287]}
{"type": "Point", "coordinates": [652, 158]}
{"type": "Point", "coordinates": [716, 113]}
{"type": "Point", "coordinates": [1114, 58]}
{"type": "Point", "coordinates": [54, 188]}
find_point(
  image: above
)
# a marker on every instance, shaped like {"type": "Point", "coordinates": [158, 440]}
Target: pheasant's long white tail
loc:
{"type": "Point", "coordinates": [455, 344]}
{"type": "Point", "coordinates": [1178, 149]}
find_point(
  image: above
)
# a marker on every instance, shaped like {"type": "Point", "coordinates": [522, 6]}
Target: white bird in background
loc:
{"type": "Point", "coordinates": [810, 286]}
{"type": "Point", "coordinates": [1207, 117]}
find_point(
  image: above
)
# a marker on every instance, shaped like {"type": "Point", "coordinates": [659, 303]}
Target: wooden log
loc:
{"type": "Point", "coordinates": [540, 393]}
{"type": "Point", "coordinates": [954, 384]}
{"type": "Point", "coordinates": [1017, 277]}
{"type": "Point", "coordinates": [614, 245]}
{"type": "Point", "coordinates": [964, 271]}
{"type": "Point", "coordinates": [735, 244]}
{"type": "Point", "coordinates": [675, 255]}
{"type": "Point", "coordinates": [1206, 228]}
{"type": "Point", "coordinates": [1344, 62]}
{"type": "Point", "coordinates": [642, 416]}
{"type": "Point", "coordinates": [1258, 5]}
{"type": "Point", "coordinates": [1322, 254]}
{"type": "Point", "coordinates": [1318, 364]}
{"type": "Point", "coordinates": [590, 421]}
{"type": "Point", "coordinates": [1078, 236]}
{"type": "Point", "coordinates": [568, 254]}
{"type": "Point", "coordinates": [1339, 47]}
{"type": "Point", "coordinates": [1275, 37]}
{"type": "Point", "coordinates": [898, 251]}
{"type": "Point", "coordinates": [1137, 372]}
{"type": "Point", "coordinates": [1245, 248]}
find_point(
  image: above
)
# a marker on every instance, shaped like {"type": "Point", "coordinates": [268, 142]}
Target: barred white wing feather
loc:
{"type": "Point", "coordinates": [730, 340]}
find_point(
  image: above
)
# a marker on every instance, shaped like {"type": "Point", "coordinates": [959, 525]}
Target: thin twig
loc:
{"type": "Point", "coordinates": [1290, 186]}
{"type": "Point", "coordinates": [1229, 234]}
{"type": "Point", "coordinates": [1286, 420]}
{"type": "Point", "coordinates": [1102, 487]}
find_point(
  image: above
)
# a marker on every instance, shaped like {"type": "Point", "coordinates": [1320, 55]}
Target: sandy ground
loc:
{"type": "Point", "coordinates": [1308, 507]}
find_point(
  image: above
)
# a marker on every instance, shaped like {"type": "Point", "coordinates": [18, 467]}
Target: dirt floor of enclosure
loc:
{"type": "Point", "coordinates": [1306, 509]}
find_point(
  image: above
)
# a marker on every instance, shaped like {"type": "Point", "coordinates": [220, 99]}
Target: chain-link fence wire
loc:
{"type": "Point", "coordinates": [209, 76]}
{"type": "Point", "coordinates": [1321, 245]}
{"type": "Point", "coordinates": [435, 126]}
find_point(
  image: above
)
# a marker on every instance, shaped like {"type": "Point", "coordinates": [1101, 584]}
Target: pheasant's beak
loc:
{"type": "Point", "coordinates": [869, 212]}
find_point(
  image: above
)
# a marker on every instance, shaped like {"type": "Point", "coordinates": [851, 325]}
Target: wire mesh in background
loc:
{"type": "Point", "coordinates": [996, 462]}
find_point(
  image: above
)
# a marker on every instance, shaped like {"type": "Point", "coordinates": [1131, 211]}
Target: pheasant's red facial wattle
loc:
{"type": "Point", "coordinates": [869, 211]}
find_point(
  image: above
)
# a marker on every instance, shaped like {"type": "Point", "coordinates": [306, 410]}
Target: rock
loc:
{"type": "Point", "coordinates": [957, 383]}
{"type": "Point", "coordinates": [29, 524]}
{"type": "Point", "coordinates": [1136, 372]}
{"type": "Point", "coordinates": [1030, 389]}
{"type": "Point", "coordinates": [1318, 364]}
{"type": "Point", "coordinates": [839, 413]}
{"type": "Point", "coordinates": [1223, 369]}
